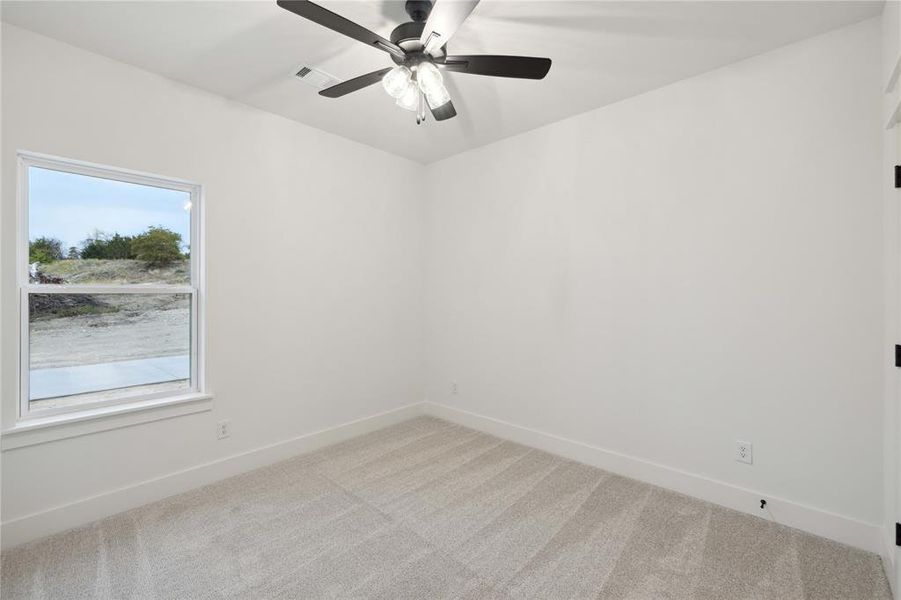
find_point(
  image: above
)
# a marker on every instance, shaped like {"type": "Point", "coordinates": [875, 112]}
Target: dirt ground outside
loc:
{"type": "Point", "coordinates": [77, 330]}
{"type": "Point", "coordinates": [137, 326]}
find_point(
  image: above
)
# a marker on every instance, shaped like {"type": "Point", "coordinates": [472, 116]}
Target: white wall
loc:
{"type": "Point", "coordinates": [891, 54]}
{"type": "Point", "coordinates": [672, 273]}
{"type": "Point", "coordinates": [660, 277]}
{"type": "Point", "coordinates": [314, 260]}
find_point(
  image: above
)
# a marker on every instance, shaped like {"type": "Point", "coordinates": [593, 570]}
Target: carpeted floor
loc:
{"type": "Point", "coordinates": [427, 509]}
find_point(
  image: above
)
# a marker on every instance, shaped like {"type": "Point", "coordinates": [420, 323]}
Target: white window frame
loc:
{"type": "Point", "coordinates": [195, 289]}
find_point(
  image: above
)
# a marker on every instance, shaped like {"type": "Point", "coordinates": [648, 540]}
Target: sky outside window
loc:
{"type": "Point", "coordinates": [72, 208]}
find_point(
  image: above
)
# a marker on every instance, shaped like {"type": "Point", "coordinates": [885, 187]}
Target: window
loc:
{"type": "Point", "coordinates": [109, 278]}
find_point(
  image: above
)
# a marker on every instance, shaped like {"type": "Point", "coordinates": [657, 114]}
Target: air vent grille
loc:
{"type": "Point", "coordinates": [317, 78]}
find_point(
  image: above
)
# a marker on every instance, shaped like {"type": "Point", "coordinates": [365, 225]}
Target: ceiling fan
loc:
{"type": "Point", "coordinates": [419, 51]}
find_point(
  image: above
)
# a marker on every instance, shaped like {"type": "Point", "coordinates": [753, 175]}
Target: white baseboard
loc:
{"type": "Point", "coordinates": [87, 510]}
{"type": "Point", "coordinates": [888, 559]}
{"type": "Point", "coordinates": [846, 530]}
{"type": "Point", "coordinates": [819, 522]}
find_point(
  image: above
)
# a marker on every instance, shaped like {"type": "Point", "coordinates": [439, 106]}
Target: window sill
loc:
{"type": "Point", "coordinates": [41, 430]}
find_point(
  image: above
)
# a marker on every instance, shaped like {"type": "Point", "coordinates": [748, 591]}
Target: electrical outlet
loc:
{"type": "Point", "coordinates": [453, 387]}
{"type": "Point", "coordinates": [744, 452]}
{"type": "Point", "coordinates": [223, 429]}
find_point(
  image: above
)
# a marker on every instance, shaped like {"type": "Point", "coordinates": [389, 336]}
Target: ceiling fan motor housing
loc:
{"type": "Point", "coordinates": [407, 33]}
{"type": "Point", "coordinates": [407, 36]}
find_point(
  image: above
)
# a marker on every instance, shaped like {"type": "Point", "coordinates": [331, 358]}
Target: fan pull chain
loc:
{"type": "Point", "coordinates": [420, 112]}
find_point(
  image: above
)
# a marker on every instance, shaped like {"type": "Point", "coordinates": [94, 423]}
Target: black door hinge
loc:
{"type": "Point", "coordinates": [897, 177]}
{"type": "Point", "coordinates": [897, 355]}
{"type": "Point", "coordinates": [898, 534]}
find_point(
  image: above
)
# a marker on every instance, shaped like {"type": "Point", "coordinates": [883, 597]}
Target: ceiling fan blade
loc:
{"type": "Point", "coordinates": [443, 21]}
{"type": "Point", "coordinates": [336, 22]}
{"type": "Point", "coordinates": [352, 85]}
{"type": "Point", "coordinates": [444, 112]}
{"type": "Point", "coordinates": [522, 67]}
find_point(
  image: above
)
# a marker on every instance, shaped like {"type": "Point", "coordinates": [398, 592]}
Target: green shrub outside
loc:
{"type": "Point", "coordinates": [157, 246]}
{"type": "Point", "coordinates": [45, 250]}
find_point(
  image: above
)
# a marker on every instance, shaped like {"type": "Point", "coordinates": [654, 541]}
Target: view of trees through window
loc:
{"type": "Point", "coordinates": [156, 246]}
{"type": "Point", "coordinates": [92, 232]}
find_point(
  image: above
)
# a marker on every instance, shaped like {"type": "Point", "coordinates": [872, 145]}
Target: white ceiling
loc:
{"type": "Point", "coordinates": [602, 52]}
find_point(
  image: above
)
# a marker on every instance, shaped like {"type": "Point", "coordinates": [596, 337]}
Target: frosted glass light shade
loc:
{"type": "Point", "coordinates": [429, 79]}
{"type": "Point", "coordinates": [396, 81]}
{"type": "Point", "coordinates": [410, 98]}
{"type": "Point", "coordinates": [438, 97]}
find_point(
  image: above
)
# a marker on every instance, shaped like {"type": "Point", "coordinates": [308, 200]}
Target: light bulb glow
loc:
{"type": "Point", "coordinates": [409, 100]}
{"type": "Point", "coordinates": [438, 97]}
{"type": "Point", "coordinates": [429, 78]}
{"type": "Point", "coordinates": [396, 81]}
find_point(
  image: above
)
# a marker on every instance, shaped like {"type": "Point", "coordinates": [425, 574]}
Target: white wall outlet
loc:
{"type": "Point", "coordinates": [744, 452]}
{"type": "Point", "coordinates": [223, 429]}
{"type": "Point", "coordinates": [454, 389]}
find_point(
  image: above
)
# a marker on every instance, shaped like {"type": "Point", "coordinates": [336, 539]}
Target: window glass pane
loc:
{"type": "Point", "coordinates": [88, 230]}
{"type": "Point", "coordinates": [95, 347]}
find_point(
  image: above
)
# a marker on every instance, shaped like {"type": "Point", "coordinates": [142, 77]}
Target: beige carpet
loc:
{"type": "Point", "coordinates": [427, 509]}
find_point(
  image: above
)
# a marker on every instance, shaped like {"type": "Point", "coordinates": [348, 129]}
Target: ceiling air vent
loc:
{"type": "Point", "coordinates": [316, 78]}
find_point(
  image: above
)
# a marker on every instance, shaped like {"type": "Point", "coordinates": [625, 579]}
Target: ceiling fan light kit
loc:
{"type": "Point", "coordinates": [409, 100]}
{"type": "Point", "coordinates": [419, 51]}
{"type": "Point", "coordinates": [397, 81]}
